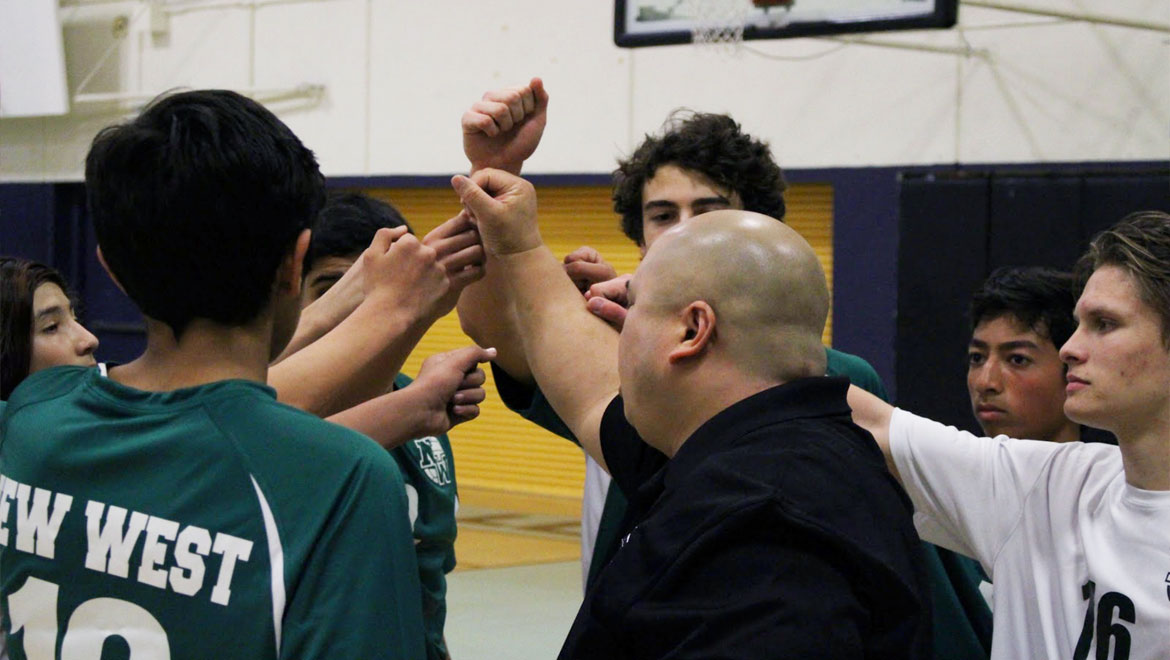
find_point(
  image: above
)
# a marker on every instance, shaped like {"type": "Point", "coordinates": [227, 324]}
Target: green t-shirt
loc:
{"type": "Point", "coordinates": [429, 471]}
{"type": "Point", "coordinates": [208, 522]}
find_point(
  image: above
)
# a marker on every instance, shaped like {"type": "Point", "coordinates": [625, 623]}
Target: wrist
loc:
{"type": "Point", "coordinates": [508, 246]}
{"type": "Point", "coordinates": [511, 168]}
{"type": "Point", "coordinates": [525, 257]}
{"type": "Point", "coordinates": [417, 422]}
{"type": "Point", "coordinates": [425, 419]}
{"type": "Point", "coordinates": [391, 318]}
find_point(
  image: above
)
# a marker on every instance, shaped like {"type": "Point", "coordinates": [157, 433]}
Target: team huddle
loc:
{"type": "Point", "coordinates": [264, 482]}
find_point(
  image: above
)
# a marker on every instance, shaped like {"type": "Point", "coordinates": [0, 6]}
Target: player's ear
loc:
{"type": "Point", "coordinates": [698, 319]}
{"type": "Point", "coordinates": [288, 276]}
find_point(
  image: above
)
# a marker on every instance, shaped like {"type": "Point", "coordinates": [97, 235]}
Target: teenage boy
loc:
{"type": "Point", "coordinates": [346, 225]}
{"type": "Point", "coordinates": [1075, 536]}
{"type": "Point", "coordinates": [175, 505]}
{"type": "Point", "coordinates": [1020, 317]}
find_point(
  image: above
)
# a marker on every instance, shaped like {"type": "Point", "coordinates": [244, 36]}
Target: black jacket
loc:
{"type": "Point", "coordinates": [775, 532]}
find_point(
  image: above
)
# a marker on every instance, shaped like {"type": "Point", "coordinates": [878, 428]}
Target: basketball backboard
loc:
{"type": "Point", "coordinates": [660, 22]}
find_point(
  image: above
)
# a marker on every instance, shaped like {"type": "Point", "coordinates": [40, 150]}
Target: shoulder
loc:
{"type": "Point", "coordinates": [823, 470]}
{"type": "Point", "coordinates": [856, 369]}
{"type": "Point", "coordinates": [799, 457]}
{"type": "Point", "coordinates": [923, 445]}
{"type": "Point", "coordinates": [281, 435]}
{"type": "Point", "coordinates": [48, 384]}
{"type": "Point", "coordinates": [814, 479]}
{"type": "Point", "coordinates": [1085, 463]}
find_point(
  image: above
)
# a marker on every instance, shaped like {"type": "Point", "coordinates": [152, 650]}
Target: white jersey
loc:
{"type": "Point", "coordinates": [1080, 559]}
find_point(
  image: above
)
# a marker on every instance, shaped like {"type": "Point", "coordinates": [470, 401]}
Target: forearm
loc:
{"type": "Point", "coordinates": [571, 353]}
{"type": "Point", "coordinates": [486, 315]}
{"type": "Point", "coordinates": [391, 419]}
{"type": "Point", "coordinates": [351, 364]}
{"type": "Point", "coordinates": [312, 326]}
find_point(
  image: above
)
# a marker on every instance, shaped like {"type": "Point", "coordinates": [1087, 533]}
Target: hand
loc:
{"type": "Point", "coordinates": [346, 293]}
{"type": "Point", "coordinates": [459, 250]}
{"type": "Point", "coordinates": [586, 267]}
{"type": "Point", "coordinates": [503, 206]}
{"type": "Point", "coordinates": [404, 273]}
{"type": "Point", "coordinates": [504, 128]}
{"type": "Point", "coordinates": [608, 300]}
{"type": "Point", "coordinates": [453, 383]}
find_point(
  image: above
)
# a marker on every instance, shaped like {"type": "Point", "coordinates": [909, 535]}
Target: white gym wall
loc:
{"type": "Point", "coordinates": [397, 74]}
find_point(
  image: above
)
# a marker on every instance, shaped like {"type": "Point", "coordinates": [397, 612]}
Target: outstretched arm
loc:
{"type": "Point", "coordinates": [873, 415]}
{"type": "Point", "coordinates": [500, 131]}
{"type": "Point", "coordinates": [572, 354]}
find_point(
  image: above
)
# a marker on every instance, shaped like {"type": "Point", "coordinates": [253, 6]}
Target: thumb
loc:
{"type": "Point", "coordinates": [383, 239]}
{"type": "Point", "coordinates": [476, 355]}
{"type": "Point", "coordinates": [469, 356]}
{"type": "Point", "coordinates": [611, 312]}
{"type": "Point", "coordinates": [473, 197]}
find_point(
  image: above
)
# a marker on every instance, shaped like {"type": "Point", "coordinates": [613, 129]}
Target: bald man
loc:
{"type": "Point", "coordinates": [762, 522]}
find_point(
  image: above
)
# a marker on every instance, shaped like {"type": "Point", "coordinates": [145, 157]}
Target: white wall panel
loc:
{"type": "Point", "coordinates": [856, 105]}
{"type": "Point", "coordinates": [319, 43]}
{"type": "Point", "coordinates": [399, 73]}
{"type": "Point", "coordinates": [206, 48]}
{"type": "Point", "coordinates": [1067, 91]}
{"type": "Point", "coordinates": [431, 60]}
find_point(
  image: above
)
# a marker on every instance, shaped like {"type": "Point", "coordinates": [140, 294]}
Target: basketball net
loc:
{"type": "Point", "coordinates": [719, 24]}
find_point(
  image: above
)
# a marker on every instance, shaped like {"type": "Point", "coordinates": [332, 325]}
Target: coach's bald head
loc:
{"type": "Point", "coordinates": [727, 301]}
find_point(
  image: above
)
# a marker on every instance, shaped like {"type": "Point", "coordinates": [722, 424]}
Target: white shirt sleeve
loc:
{"type": "Point", "coordinates": [968, 492]}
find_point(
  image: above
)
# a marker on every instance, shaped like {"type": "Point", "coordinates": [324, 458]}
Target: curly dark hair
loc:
{"type": "Point", "coordinates": [712, 145]}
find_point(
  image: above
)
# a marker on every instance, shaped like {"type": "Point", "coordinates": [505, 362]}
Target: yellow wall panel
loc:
{"type": "Point", "coordinates": [810, 212]}
{"type": "Point", "coordinates": [500, 450]}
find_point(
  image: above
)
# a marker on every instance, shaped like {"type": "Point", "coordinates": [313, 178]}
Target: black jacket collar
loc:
{"type": "Point", "coordinates": [821, 396]}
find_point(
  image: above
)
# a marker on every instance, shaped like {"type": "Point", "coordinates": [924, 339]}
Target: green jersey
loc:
{"type": "Point", "coordinates": [429, 471]}
{"type": "Point", "coordinates": [206, 522]}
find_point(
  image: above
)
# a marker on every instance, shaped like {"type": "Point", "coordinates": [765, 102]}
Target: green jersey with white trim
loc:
{"type": "Point", "coordinates": [205, 522]}
{"type": "Point", "coordinates": [429, 471]}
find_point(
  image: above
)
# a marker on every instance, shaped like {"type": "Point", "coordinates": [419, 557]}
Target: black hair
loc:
{"type": "Point", "coordinates": [1041, 299]}
{"type": "Point", "coordinates": [712, 145]}
{"type": "Point", "coordinates": [196, 201]}
{"type": "Point", "coordinates": [19, 279]}
{"type": "Point", "coordinates": [347, 223]}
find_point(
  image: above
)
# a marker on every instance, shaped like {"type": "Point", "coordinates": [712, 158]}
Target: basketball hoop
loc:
{"type": "Point", "coordinates": [721, 23]}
